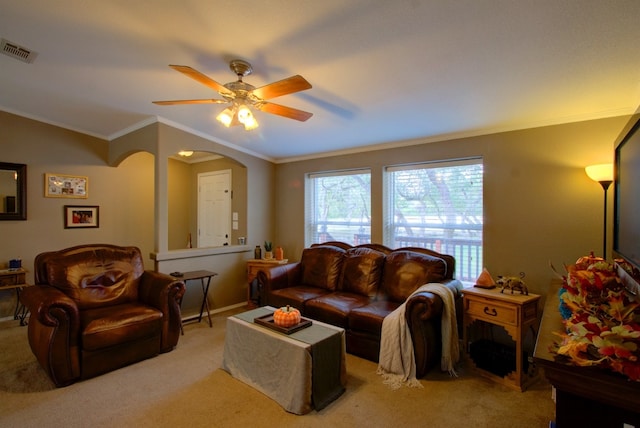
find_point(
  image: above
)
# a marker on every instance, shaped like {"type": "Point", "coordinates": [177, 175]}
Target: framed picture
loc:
{"type": "Point", "coordinates": [80, 216]}
{"type": "Point", "coordinates": [65, 186]}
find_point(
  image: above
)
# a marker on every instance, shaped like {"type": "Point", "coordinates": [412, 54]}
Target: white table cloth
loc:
{"type": "Point", "coordinates": [300, 371]}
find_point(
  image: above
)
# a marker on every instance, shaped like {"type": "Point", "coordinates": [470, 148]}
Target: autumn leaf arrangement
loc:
{"type": "Point", "coordinates": [601, 318]}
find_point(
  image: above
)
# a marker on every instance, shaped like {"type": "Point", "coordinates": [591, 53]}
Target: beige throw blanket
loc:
{"type": "Point", "coordinates": [397, 363]}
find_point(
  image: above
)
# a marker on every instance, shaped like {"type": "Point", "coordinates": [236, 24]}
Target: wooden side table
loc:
{"type": "Point", "coordinates": [516, 314]}
{"type": "Point", "coordinates": [201, 275]}
{"type": "Point", "coordinates": [14, 279]}
{"type": "Point", "coordinates": [253, 266]}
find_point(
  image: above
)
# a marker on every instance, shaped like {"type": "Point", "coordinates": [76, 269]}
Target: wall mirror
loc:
{"type": "Point", "coordinates": [13, 191]}
{"type": "Point", "coordinates": [186, 218]}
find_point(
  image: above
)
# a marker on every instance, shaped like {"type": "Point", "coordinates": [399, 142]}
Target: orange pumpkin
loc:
{"type": "Point", "coordinates": [286, 317]}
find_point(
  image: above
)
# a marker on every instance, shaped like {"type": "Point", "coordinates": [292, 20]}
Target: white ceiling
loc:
{"type": "Point", "coordinates": [382, 71]}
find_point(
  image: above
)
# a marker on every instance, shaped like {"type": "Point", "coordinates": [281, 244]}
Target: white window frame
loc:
{"type": "Point", "coordinates": [469, 256]}
{"type": "Point", "coordinates": [311, 207]}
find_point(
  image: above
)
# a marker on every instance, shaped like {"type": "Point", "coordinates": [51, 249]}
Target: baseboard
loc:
{"type": "Point", "coordinates": [215, 311]}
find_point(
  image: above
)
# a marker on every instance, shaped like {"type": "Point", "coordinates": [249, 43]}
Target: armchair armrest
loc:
{"type": "Point", "coordinates": [54, 326]}
{"type": "Point", "coordinates": [165, 293]}
{"type": "Point", "coordinates": [50, 306]}
{"type": "Point", "coordinates": [160, 290]}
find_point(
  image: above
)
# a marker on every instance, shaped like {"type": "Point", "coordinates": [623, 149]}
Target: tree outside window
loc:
{"type": "Point", "coordinates": [438, 206]}
{"type": "Point", "coordinates": [339, 207]}
{"type": "Point", "coordinates": [432, 205]}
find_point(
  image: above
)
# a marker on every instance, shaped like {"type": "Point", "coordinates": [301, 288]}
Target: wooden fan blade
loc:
{"type": "Point", "coordinates": [290, 85]}
{"type": "Point", "coordinates": [289, 112]}
{"type": "Point", "coordinates": [174, 102]}
{"type": "Point", "coordinates": [205, 80]}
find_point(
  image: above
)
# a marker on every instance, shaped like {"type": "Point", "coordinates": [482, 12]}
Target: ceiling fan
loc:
{"type": "Point", "coordinates": [242, 95]}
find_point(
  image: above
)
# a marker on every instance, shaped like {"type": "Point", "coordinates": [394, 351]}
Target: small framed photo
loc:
{"type": "Point", "coordinates": [81, 216]}
{"type": "Point", "coordinates": [65, 186]}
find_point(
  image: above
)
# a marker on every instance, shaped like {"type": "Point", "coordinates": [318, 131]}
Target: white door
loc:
{"type": "Point", "coordinates": [214, 208]}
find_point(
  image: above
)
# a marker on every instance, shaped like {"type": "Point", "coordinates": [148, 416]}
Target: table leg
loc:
{"type": "Point", "coordinates": [205, 301]}
{"type": "Point", "coordinates": [181, 321]}
{"type": "Point", "coordinates": [20, 312]}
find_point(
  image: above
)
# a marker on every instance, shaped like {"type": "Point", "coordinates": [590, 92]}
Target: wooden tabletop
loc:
{"type": "Point", "coordinates": [196, 274]}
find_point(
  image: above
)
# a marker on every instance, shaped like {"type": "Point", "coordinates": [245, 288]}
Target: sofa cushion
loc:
{"type": "Point", "coordinates": [405, 271]}
{"type": "Point", "coordinates": [294, 296]}
{"type": "Point", "coordinates": [321, 266]}
{"type": "Point", "coordinates": [114, 325]}
{"type": "Point", "coordinates": [97, 276]}
{"type": "Point", "coordinates": [361, 271]}
{"type": "Point", "coordinates": [333, 308]}
{"type": "Point", "coordinates": [368, 319]}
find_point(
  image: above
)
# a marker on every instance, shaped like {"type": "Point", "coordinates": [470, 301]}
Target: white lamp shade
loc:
{"type": "Point", "coordinates": [225, 117]}
{"type": "Point", "coordinates": [601, 172]}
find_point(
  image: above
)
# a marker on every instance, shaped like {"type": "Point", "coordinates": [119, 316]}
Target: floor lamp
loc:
{"type": "Point", "coordinates": [603, 174]}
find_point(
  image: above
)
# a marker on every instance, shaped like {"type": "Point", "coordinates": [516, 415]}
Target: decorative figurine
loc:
{"type": "Point", "coordinates": [512, 283]}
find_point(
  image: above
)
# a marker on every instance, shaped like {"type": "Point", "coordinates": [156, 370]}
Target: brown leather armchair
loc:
{"type": "Point", "coordinates": [95, 309]}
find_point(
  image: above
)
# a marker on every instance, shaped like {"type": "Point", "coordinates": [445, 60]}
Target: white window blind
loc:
{"type": "Point", "coordinates": [338, 207]}
{"type": "Point", "coordinates": [437, 206]}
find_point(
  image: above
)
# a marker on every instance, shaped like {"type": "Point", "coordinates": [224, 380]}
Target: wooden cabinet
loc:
{"type": "Point", "coordinates": [585, 396]}
{"type": "Point", "coordinates": [517, 314]}
{"type": "Point", "coordinates": [253, 266]}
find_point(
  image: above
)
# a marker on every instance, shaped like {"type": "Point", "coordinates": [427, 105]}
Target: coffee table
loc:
{"type": "Point", "coordinates": [302, 371]}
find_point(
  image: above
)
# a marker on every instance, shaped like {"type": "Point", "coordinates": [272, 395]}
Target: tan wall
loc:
{"type": "Point", "coordinates": [180, 193]}
{"type": "Point", "coordinates": [126, 195]}
{"type": "Point", "coordinates": [539, 204]}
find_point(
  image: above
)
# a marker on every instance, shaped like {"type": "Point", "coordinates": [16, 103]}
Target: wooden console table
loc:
{"type": "Point", "coordinates": [516, 314]}
{"type": "Point", "coordinates": [253, 266]}
{"type": "Point", "coordinates": [14, 279]}
{"type": "Point", "coordinates": [585, 396]}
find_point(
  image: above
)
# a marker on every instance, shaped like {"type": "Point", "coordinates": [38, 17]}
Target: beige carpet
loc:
{"type": "Point", "coordinates": [187, 388]}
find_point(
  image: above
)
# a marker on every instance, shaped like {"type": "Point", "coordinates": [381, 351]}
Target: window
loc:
{"type": "Point", "coordinates": [338, 207]}
{"type": "Point", "coordinates": [437, 206]}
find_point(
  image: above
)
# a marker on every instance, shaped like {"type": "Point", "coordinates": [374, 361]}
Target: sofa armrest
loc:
{"type": "Point", "coordinates": [426, 306]}
{"type": "Point", "coordinates": [164, 293]}
{"type": "Point", "coordinates": [423, 315]}
{"type": "Point", "coordinates": [54, 330]}
{"type": "Point", "coordinates": [423, 306]}
{"type": "Point", "coordinates": [278, 277]}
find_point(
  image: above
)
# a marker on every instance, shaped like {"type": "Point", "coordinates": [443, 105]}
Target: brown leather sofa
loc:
{"type": "Point", "coordinates": [95, 309]}
{"type": "Point", "coordinates": [357, 287]}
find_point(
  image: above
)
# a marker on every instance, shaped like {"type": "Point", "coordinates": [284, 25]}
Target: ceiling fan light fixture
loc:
{"type": "Point", "coordinates": [243, 96]}
{"type": "Point", "coordinates": [250, 124]}
{"type": "Point", "coordinates": [226, 117]}
{"type": "Point", "coordinates": [244, 113]}
{"type": "Point", "coordinates": [246, 118]}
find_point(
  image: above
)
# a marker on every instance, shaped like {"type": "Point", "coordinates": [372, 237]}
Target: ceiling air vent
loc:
{"type": "Point", "coordinates": [16, 51]}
